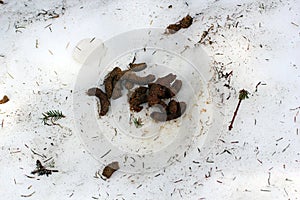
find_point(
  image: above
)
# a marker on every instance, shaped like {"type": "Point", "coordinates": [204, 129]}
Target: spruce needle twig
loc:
{"type": "Point", "coordinates": [52, 116]}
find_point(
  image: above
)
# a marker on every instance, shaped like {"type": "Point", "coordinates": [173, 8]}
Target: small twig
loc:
{"type": "Point", "coordinates": [178, 181]}
{"type": "Point", "coordinates": [243, 95]}
{"type": "Point", "coordinates": [27, 195]}
{"type": "Point", "coordinates": [48, 159]}
{"type": "Point", "coordinates": [258, 84]}
{"type": "Point", "coordinates": [205, 33]}
{"type": "Point", "coordinates": [263, 190]}
{"type": "Point", "coordinates": [48, 26]}
{"type": "Point", "coordinates": [295, 24]}
{"type": "Point", "coordinates": [295, 108]}
{"type": "Point", "coordinates": [41, 170]}
{"type": "Point", "coordinates": [226, 151]}
{"type": "Point", "coordinates": [286, 192]}
{"type": "Point", "coordinates": [295, 117]}
{"type": "Point", "coordinates": [256, 87]}
{"type": "Point", "coordinates": [105, 153]}
{"type": "Point", "coordinates": [55, 124]}
{"type": "Point", "coordinates": [43, 156]}
{"type": "Point", "coordinates": [92, 39]}
{"type": "Point", "coordinates": [29, 176]}
{"type": "Point", "coordinates": [259, 161]}
{"type": "Point", "coordinates": [286, 148]}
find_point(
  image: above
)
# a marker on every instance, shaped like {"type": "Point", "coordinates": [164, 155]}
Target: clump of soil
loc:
{"type": "Point", "coordinates": [183, 23]}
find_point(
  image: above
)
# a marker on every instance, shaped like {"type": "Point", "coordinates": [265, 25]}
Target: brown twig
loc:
{"type": "Point", "coordinates": [243, 95]}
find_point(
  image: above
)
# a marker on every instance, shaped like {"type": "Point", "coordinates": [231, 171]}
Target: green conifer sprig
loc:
{"type": "Point", "coordinates": [53, 116]}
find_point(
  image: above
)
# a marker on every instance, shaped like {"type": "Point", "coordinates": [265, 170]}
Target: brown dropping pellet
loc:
{"type": "Point", "coordinates": [104, 101]}
{"type": "Point", "coordinates": [5, 99]}
{"type": "Point", "coordinates": [136, 67]}
{"type": "Point", "coordinates": [110, 169]}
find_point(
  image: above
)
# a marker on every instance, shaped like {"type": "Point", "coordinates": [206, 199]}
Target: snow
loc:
{"type": "Point", "coordinates": [38, 73]}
